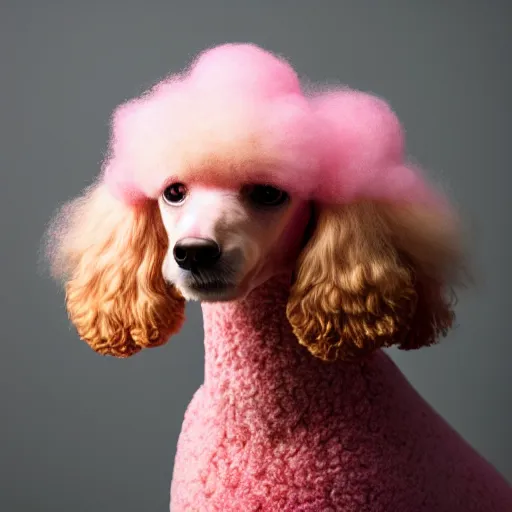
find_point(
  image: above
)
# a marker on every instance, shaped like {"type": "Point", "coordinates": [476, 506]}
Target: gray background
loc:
{"type": "Point", "coordinates": [85, 433]}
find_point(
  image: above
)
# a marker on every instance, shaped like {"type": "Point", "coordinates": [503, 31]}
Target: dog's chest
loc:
{"type": "Point", "coordinates": [358, 444]}
{"type": "Point", "coordinates": [229, 460]}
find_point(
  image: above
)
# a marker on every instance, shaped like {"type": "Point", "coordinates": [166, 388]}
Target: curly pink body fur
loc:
{"type": "Point", "coordinates": [273, 429]}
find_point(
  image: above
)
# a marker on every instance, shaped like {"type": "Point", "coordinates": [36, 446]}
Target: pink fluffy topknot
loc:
{"type": "Point", "coordinates": [245, 69]}
{"type": "Point", "coordinates": [239, 114]}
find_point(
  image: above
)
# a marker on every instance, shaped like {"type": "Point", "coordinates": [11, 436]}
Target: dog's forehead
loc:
{"type": "Point", "coordinates": [232, 170]}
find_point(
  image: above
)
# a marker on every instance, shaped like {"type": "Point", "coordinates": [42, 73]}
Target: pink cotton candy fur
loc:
{"type": "Point", "coordinates": [239, 114]}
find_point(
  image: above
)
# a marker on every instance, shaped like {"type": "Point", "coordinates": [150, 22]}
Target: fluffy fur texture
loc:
{"type": "Point", "coordinates": [110, 256]}
{"type": "Point", "coordinates": [374, 275]}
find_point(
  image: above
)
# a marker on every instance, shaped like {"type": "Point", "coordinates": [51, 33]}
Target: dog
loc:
{"type": "Point", "coordinates": [311, 243]}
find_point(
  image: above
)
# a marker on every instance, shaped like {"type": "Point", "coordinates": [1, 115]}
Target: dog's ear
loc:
{"type": "Point", "coordinates": [375, 275]}
{"type": "Point", "coordinates": [109, 255]}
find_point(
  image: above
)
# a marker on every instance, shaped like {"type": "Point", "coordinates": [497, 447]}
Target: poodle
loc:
{"type": "Point", "coordinates": [292, 214]}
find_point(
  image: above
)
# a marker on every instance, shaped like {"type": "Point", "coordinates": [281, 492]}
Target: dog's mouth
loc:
{"type": "Point", "coordinates": [212, 290]}
{"type": "Point", "coordinates": [209, 286]}
{"type": "Point", "coordinates": [219, 283]}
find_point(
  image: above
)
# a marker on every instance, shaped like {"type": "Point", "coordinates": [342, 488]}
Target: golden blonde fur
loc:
{"type": "Point", "coordinates": [110, 256]}
{"type": "Point", "coordinates": [374, 275]}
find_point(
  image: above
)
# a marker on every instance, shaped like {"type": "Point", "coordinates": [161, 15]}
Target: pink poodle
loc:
{"type": "Point", "coordinates": [312, 243]}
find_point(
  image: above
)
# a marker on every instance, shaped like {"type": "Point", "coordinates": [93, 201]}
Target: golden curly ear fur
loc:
{"type": "Point", "coordinates": [374, 275]}
{"type": "Point", "coordinates": [110, 256]}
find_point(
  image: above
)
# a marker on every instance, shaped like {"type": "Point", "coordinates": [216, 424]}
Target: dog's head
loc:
{"type": "Point", "coordinates": [252, 179]}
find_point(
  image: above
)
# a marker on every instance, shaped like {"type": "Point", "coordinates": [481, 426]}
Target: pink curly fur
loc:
{"type": "Point", "coordinates": [274, 430]}
{"type": "Point", "coordinates": [239, 103]}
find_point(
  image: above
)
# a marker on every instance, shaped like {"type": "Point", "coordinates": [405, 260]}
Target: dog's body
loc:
{"type": "Point", "coordinates": [273, 429]}
{"type": "Point", "coordinates": [312, 244]}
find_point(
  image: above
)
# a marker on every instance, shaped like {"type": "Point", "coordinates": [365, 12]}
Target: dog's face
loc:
{"type": "Point", "coordinates": [223, 243]}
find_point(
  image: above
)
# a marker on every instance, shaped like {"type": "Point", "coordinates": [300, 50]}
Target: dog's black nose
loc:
{"type": "Point", "coordinates": [196, 253]}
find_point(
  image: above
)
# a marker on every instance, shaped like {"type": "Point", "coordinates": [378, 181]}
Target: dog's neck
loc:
{"type": "Point", "coordinates": [247, 337]}
{"type": "Point", "coordinates": [253, 361]}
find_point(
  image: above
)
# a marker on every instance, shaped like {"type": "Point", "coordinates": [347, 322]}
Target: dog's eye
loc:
{"type": "Point", "coordinates": [266, 195]}
{"type": "Point", "coordinates": [175, 193]}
